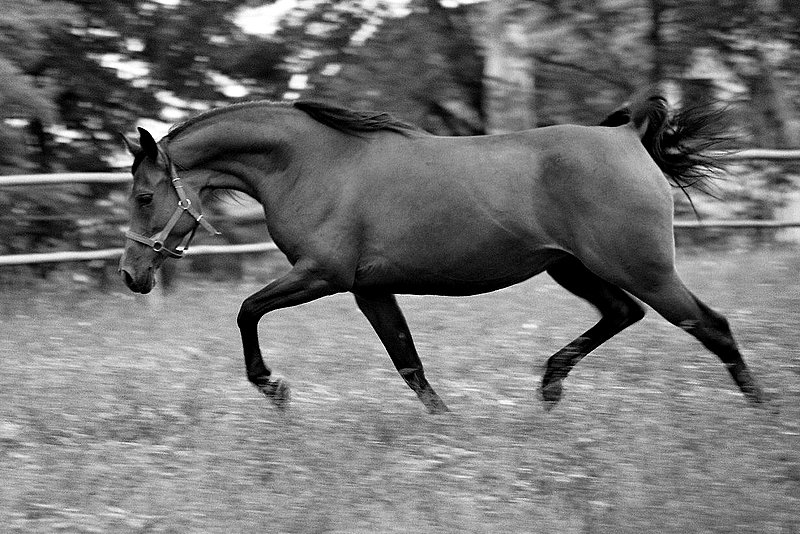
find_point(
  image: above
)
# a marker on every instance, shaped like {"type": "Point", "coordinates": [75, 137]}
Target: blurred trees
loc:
{"type": "Point", "coordinates": [24, 28]}
{"type": "Point", "coordinates": [422, 63]}
{"type": "Point", "coordinates": [75, 72]}
{"type": "Point", "coordinates": [98, 66]}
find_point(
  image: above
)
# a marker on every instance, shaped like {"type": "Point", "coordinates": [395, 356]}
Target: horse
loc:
{"type": "Point", "coordinates": [365, 203]}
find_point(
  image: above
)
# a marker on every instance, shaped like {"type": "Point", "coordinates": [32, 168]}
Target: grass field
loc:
{"type": "Point", "coordinates": [118, 414]}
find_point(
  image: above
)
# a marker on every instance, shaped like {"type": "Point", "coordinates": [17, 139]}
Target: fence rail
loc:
{"type": "Point", "coordinates": [114, 253]}
{"type": "Point", "coordinates": [66, 178]}
{"type": "Point", "coordinates": [751, 223]}
{"type": "Point", "coordinates": [249, 248]}
{"type": "Point", "coordinates": [764, 154]}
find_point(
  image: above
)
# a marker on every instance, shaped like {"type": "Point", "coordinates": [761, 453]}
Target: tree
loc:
{"type": "Point", "coordinates": [421, 63]}
{"type": "Point", "coordinates": [25, 101]}
{"type": "Point", "coordinates": [83, 70]}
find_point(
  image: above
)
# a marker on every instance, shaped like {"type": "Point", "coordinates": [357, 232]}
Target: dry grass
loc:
{"type": "Point", "coordinates": [121, 416]}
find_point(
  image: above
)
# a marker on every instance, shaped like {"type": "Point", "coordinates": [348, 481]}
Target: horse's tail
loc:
{"type": "Point", "coordinates": [679, 143]}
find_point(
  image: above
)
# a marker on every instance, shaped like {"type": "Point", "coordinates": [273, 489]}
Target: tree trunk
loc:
{"type": "Point", "coordinates": [466, 67]}
{"type": "Point", "coordinates": [775, 124]}
{"type": "Point", "coordinates": [509, 69]}
{"type": "Point", "coordinates": [42, 156]}
{"type": "Point", "coordinates": [657, 43]}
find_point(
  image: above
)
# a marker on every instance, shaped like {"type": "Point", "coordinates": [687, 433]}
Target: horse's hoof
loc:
{"type": "Point", "coordinates": [437, 407]}
{"type": "Point", "coordinates": [755, 394]}
{"type": "Point", "coordinates": [282, 394]}
{"type": "Point", "coordinates": [762, 398]}
{"type": "Point", "coordinates": [276, 390]}
{"type": "Point", "coordinates": [551, 394]}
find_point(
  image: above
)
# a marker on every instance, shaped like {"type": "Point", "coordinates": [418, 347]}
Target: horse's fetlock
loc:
{"type": "Point", "coordinates": [409, 372]}
{"type": "Point", "coordinates": [414, 377]}
{"type": "Point", "coordinates": [551, 392]}
{"type": "Point", "coordinates": [255, 370]}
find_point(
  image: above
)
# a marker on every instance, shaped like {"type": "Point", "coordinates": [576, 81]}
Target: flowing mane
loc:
{"type": "Point", "coordinates": [355, 122]}
{"type": "Point", "coordinates": [180, 127]}
{"type": "Point", "coordinates": [345, 120]}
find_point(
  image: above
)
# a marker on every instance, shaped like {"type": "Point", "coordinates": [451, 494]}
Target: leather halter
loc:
{"type": "Point", "coordinates": [158, 240]}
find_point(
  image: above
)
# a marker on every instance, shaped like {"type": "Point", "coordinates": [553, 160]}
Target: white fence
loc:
{"type": "Point", "coordinates": [114, 253]}
{"type": "Point", "coordinates": [765, 154]}
{"type": "Point", "coordinates": [111, 253]}
{"type": "Point", "coordinates": [120, 178]}
{"type": "Point", "coordinates": [66, 178]}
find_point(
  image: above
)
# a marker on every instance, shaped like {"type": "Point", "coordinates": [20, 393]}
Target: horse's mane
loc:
{"type": "Point", "coordinates": [354, 122]}
{"type": "Point", "coordinates": [188, 123]}
{"type": "Point", "coordinates": [344, 120]}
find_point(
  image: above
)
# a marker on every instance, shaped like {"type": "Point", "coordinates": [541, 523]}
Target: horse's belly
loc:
{"type": "Point", "coordinates": [453, 233]}
{"type": "Point", "coordinates": [459, 274]}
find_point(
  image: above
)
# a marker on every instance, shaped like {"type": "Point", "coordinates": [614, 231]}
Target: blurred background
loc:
{"type": "Point", "coordinates": [75, 73]}
{"type": "Point", "coordinates": [130, 413]}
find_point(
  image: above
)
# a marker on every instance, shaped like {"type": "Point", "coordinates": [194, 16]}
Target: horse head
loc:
{"type": "Point", "coordinates": [164, 214]}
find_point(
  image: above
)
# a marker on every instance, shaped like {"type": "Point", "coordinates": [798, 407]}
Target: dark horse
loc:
{"type": "Point", "coordinates": [362, 202]}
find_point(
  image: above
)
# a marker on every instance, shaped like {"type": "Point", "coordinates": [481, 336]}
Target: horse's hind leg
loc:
{"type": "Point", "coordinates": [672, 299]}
{"type": "Point", "coordinates": [384, 315]}
{"type": "Point", "coordinates": [618, 311]}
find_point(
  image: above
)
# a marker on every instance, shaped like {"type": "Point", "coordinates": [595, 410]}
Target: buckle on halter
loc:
{"type": "Point", "coordinates": [184, 203]}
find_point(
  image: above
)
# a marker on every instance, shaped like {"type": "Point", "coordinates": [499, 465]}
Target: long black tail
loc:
{"type": "Point", "coordinates": [679, 143]}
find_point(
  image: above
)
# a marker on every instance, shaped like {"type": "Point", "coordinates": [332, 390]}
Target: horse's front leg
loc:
{"type": "Point", "coordinates": [298, 286]}
{"type": "Point", "coordinates": [384, 315]}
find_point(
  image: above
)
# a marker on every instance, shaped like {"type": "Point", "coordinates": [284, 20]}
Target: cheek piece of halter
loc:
{"type": "Point", "coordinates": [156, 242]}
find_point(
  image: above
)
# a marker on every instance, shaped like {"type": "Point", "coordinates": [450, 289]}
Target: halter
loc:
{"type": "Point", "coordinates": [156, 242]}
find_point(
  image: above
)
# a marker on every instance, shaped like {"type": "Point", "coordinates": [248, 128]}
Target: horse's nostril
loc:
{"type": "Point", "coordinates": [127, 278]}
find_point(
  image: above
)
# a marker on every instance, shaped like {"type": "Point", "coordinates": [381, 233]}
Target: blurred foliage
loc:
{"type": "Point", "coordinates": [73, 73]}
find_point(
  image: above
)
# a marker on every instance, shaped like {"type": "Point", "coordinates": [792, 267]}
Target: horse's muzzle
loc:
{"type": "Point", "coordinates": [142, 284]}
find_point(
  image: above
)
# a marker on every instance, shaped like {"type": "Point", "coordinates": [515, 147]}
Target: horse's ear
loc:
{"type": "Point", "coordinates": [148, 144]}
{"type": "Point", "coordinates": [133, 147]}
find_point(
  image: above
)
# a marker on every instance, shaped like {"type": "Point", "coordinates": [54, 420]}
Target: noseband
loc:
{"type": "Point", "coordinates": [156, 242]}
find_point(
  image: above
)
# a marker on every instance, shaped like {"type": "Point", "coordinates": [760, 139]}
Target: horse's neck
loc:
{"type": "Point", "coordinates": [233, 133]}
{"type": "Point", "coordinates": [241, 150]}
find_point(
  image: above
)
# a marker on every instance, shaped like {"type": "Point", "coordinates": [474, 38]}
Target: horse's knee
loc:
{"type": "Point", "coordinates": [247, 317]}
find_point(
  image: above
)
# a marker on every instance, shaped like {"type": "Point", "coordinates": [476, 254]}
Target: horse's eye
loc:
{"type": "Point", "coordinates": [145, 199]}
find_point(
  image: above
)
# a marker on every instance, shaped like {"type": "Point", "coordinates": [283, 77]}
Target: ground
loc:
{"type": "Point", "coordinates": [123, 413]}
